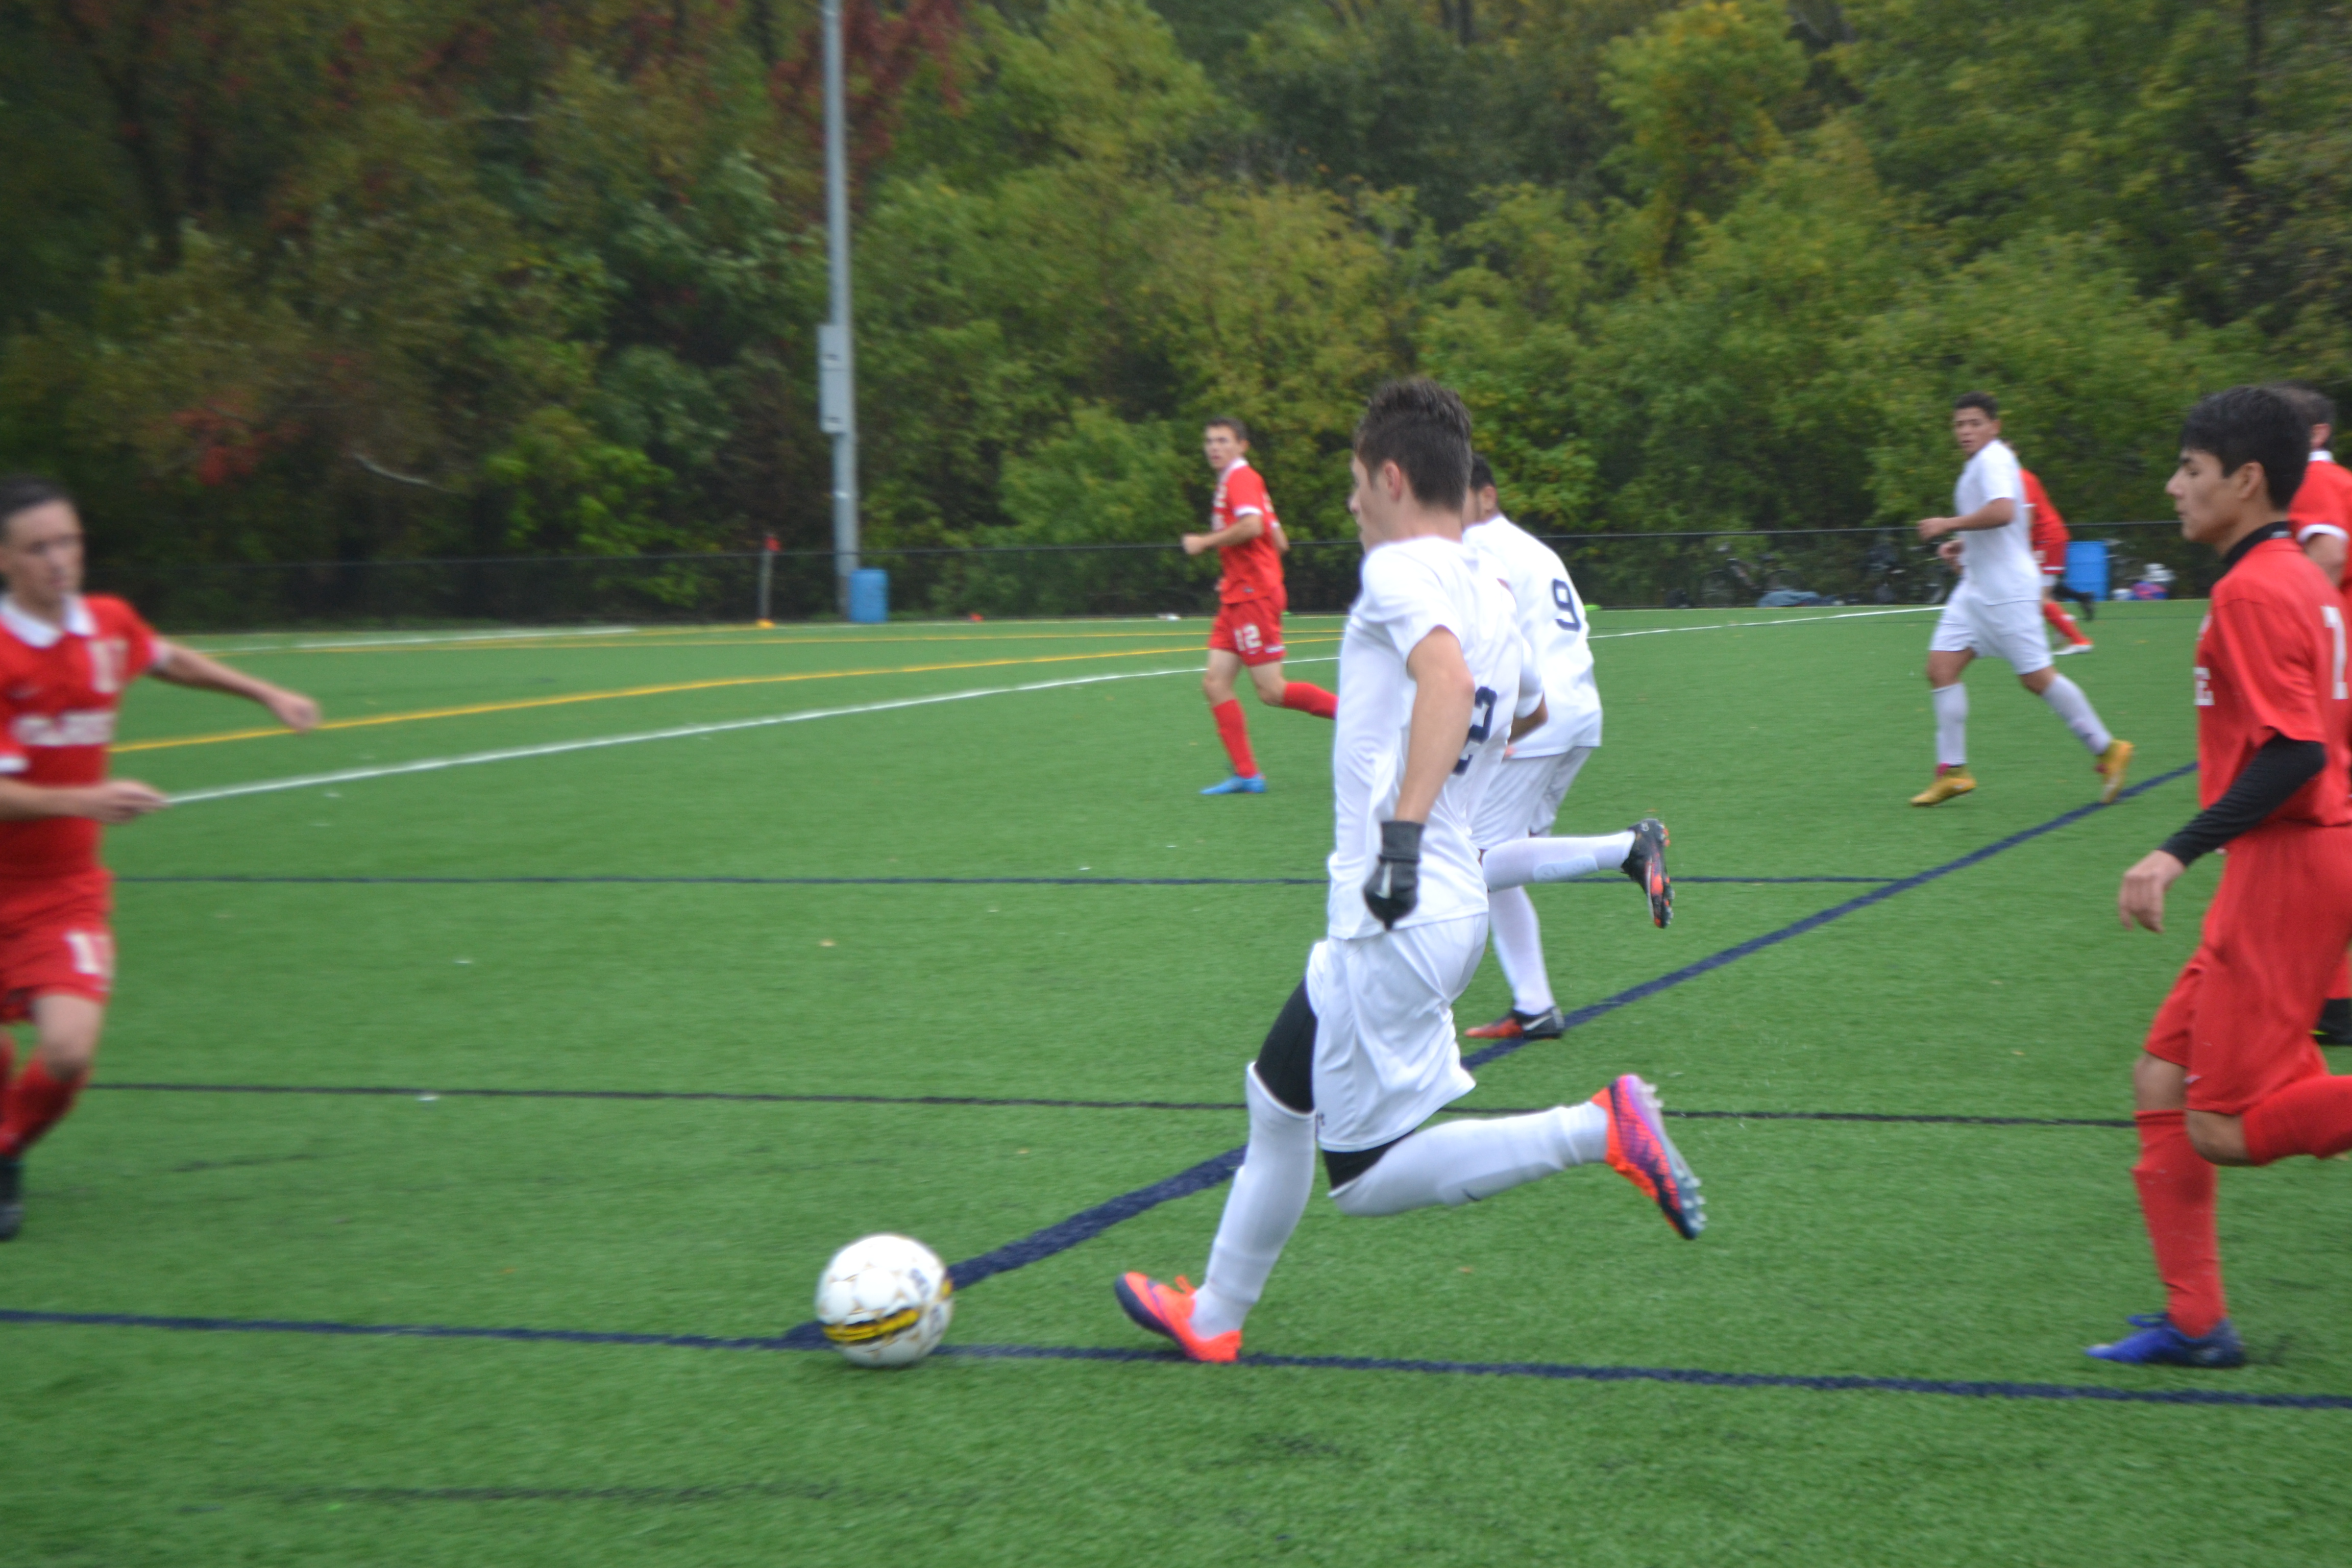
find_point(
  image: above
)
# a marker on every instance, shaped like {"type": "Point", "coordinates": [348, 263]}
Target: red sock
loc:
{"type": "Point", "coordinates": [2063, 621]}
{"type": "Point", "coordinates": [2176, 1198]}
{"type": "Point", "coordinates": [2311, 1117]}
{"type": "Point", "coordinates": [35, 1101]}
{"type": "Point", "coordinates": [1234, 731]}
{"type": "Point", "coordinates": [1301, 697]}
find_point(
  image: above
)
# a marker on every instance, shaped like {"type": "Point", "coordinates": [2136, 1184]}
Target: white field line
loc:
{"type": "Point", "coordinates": [1793, 621]}
{"type": "Point", "coordinates": [677, 733]}
{"type": "Point", "coordinates": [687, 732]}
{"type": "Point", "coordinates": [424, 637]}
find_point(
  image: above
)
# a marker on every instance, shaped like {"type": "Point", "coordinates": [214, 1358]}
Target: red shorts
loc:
{"type": "Point", "coordinates": [2239, 1018]}
{"type": "Point", "coordinates": [1251, 628]}
{"type": "Point", "coordinates": [55, 936]}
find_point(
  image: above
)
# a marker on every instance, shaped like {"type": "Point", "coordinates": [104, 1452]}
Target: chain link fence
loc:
{"type": "Point", "coordinates": [1692, 570]}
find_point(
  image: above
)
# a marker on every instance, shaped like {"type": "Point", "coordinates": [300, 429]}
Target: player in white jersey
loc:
{"type": "Point", "coordinates": [1517, 807]}
{"type": "Point", "coordinates": [1433, 680]}
{"type": "Point", "coordinates": [1997, 608]}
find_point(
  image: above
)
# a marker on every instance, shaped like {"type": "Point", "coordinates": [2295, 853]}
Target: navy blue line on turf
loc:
{"type": "Point", "coordinates": [1814, 922]}
{"type": "Point", "coordinates": [1045, 1243]}
{"type": "Point", "coordinates": [240, 879]}
{"type": "Point", "coordinates": [804, 1339]}
{"type": "Point", "coordinates": [392, 1091]}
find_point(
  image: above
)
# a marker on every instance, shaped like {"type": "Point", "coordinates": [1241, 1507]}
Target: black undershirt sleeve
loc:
{"type": "Point", "coordinates": [2266, 782]}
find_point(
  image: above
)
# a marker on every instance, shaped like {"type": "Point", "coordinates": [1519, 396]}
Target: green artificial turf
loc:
{"type": "Point", "coordinates": [1781, 746]}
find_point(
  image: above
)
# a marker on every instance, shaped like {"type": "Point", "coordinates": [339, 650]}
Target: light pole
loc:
{"type": "Point", "coordinates": [837, 356]}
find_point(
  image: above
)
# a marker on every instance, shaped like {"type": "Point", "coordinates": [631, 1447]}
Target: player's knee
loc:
{"type": "Point", "coordinates": [1271, 692]}
{"type": "Point", "coordinates": [2218, 1140]}
{"type": "Point", "coordinates": [1214, 690]}
{"type": "Point", "coordinates": [2157, 1084]}
{"type": "Point", "coordinates": [67, 1051]}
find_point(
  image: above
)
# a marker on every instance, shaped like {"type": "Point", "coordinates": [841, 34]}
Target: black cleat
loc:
{"type": "Point", "coordinates": [1515, 1024]}
{"type": "Point", "coordinates": [12, 1198]}
{"type": "Point", "coordinates": [2335, 1025]}
{"type": "Point", "coordinates": [1647, 864]}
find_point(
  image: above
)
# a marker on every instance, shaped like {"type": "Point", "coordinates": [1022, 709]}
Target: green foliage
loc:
{"type": "Point", "coordinates": [283, 283]}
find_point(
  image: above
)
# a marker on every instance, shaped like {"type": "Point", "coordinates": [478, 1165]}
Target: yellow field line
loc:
{"type": "Point", "coordinates": [735, 642]}
{"type": "Point", "coordinates": [646, 641]}
{"type": "Point", "coordinates": [470, 709]}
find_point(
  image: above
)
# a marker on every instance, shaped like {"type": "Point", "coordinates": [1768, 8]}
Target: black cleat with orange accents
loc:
{"type": "Point", "coordinates": [1515, 1024]}
{"type": "Point", "coordinates": [1647, 864]}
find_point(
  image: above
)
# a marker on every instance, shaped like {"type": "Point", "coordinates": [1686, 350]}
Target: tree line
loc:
{"type": "Point", "coordinates": [284, 281]}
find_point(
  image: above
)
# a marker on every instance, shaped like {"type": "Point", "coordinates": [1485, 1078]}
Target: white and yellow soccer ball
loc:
{"type": "Point", "coordinates": [885, 1301]}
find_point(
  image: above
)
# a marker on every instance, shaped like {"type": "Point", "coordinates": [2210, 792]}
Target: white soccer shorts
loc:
{"type": "Point", "coordinates": [1522, 795]}
{"type": "Point", "coordinates": [2010, 630]}
{"type": "Point", "coordinates": [1385, 1056]}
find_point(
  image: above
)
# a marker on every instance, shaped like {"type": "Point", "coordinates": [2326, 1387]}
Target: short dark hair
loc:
{"type": "Point", "coordinates": [23, 492]}
{"type": "Point", "coordinates": [2252, 425]}
{"type": "Point", "coordinates": [2315, 406]}
{"type": "Point", "coordinates": [1482, 475]}
{"type": "Point", "coordinates": [1240, 430]}
{"type": "Point", "coordinates": [1984, 400]}
{"type": "Point", "coordinates": [1424, 430]}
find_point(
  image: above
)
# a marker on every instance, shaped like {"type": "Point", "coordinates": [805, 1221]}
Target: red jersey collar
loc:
{"type": "Point", "coordinates": [33, 632]}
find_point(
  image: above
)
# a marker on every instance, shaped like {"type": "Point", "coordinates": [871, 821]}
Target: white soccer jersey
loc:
{"type": "Point", "coordinates": [1551, 618]}
{"type": "Point", "coordinates": [1998, 560]}
{"type": "Point", "coordinates": [1411, 588]}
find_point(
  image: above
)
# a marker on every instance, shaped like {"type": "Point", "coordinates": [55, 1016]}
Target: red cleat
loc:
{"type": "Point", "coordinates": [1168, 1309]}
{"type": "Point", "coordinates": [1641, 1151]}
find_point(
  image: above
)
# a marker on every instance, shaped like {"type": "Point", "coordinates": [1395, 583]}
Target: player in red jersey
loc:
{"type": "Point", "coordinates": [2322, 520]}
{"type": "Point", "coordinates": [2229, 1075]}
{"type": "Point", "coordinates": [2049, 536]}
{"type": "Point", "coordinates": [64, 661]}
{"type": "Point", "coordinates": [1247, 534]}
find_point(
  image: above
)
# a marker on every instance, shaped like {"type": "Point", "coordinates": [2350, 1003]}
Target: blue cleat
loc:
{"type": "Point", "coordinates": [2159, 1343]}
{"type": "Point", "coordinates": [1253, 785]}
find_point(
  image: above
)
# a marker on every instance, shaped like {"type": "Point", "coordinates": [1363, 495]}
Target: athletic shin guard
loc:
{"type": "Point", "coordinates": [37, 1101]}
{"type": "Point", "coordinates": [1301, 697]}
{"type": "Point", "coordinates": [1951, 704]}
{"type": "Point", "coordinates": [1457, 1162]}
{"type": "Point", "coordinates": [1519, 946]}
{"type": "Point", "coordinates": [2176, 1198]}
{"type": "Point", "coordinates": [1233, 731]}
{"type": "Point", "coordinates": [2311, 1117]}
{"type": "Point", "coordinates": [1525, 861]}
{"type": "Point", "coordinates": [2067, 699]}
{"type": "Point", "coordinates": [1270, 1191]}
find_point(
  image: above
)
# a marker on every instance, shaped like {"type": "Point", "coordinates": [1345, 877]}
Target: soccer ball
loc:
{"type": "Point", "coordinates": [885, 1301]}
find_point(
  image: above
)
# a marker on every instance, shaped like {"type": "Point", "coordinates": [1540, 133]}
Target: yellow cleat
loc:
{"type": "Point", "coordinates": [2113, 763]}
{"type": "Point", "coordinates": [1954, 782]}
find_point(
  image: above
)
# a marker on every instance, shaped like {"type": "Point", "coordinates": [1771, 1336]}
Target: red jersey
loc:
{"type": "Point", "coordinates": [1253, 567]}
{"type": "Point", "coordinates": [2049, 527]}
{"type": "Point", "coordinates": [59, 688]}
{"type": "Point", "coordinates": [2322, 504]}
{"type": "Point", "coordinates": [2270, 662]}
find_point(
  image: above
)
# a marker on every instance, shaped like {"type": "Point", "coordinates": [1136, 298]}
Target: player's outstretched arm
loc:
{"type": "Point", "coordinates": [183, 666]}
{"type": "Point", "coordinates": [116, 800]}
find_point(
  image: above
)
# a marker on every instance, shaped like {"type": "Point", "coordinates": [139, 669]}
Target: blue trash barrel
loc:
{"type": "Point", "coordinates": [2086, 567]}
{"type": "Point", "coordinates": [869, 595]}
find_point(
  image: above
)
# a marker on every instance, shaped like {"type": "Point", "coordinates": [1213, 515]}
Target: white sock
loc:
{"type": "Point", "coordinates": [1525, 861]}
{"type": "Point", "coordinates": [1951, 725]}
{"type": "Point", "coordinates": [1456, 1162]}
{"type": "Point", "coordinates": [1270, 1191]}
{"type": "Point", "coordinates": [1518, 944]}
{"type": "Point", "coordinates": [2067, 700]}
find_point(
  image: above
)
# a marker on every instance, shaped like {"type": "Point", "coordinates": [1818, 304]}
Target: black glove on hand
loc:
{"type": "Point", "coordinates": [1394, 886]}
